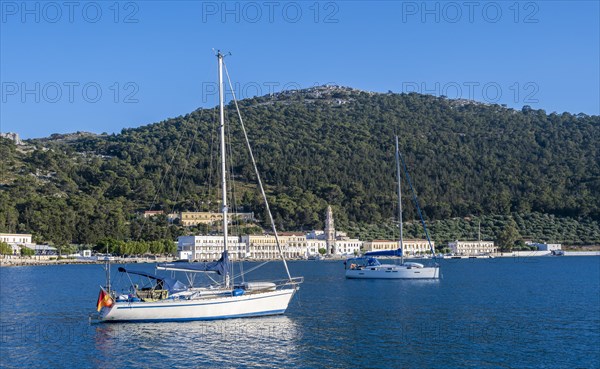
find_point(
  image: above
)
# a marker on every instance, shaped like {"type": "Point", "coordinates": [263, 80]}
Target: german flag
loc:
{"type": "Point", "coordinates": [104, 299]}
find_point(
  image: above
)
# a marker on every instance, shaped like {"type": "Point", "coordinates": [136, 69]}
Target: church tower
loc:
{"type": "Point", "coordinates": [329, 232]}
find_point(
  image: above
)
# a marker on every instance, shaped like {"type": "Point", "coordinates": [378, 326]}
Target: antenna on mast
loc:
{"type": "Point", "coordinates": [218, 52]}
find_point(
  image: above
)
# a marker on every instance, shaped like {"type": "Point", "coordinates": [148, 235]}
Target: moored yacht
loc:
{"type": "Point", "coordinates": [159, 298]}
{"type": "Point", "coordinates": [368, 267]}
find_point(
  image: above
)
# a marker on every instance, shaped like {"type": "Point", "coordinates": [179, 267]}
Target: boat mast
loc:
{"type": "Point", "coordinates": [220, 57]}
{"type": "Point", "coordinates": [479, 237]}
{"type": "Point", "coordinates": [399, 202]}
{"type": "Point", "coordinates": [107, 269]}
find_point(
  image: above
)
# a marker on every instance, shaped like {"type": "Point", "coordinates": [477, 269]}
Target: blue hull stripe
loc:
{"type": "Point", "coordinates": [135, 306]}
{"type": "Point", "coordinates": [218, 317]}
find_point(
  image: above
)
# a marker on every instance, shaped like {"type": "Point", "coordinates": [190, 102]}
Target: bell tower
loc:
{"type": "Point", "coordinates": [330, 232]}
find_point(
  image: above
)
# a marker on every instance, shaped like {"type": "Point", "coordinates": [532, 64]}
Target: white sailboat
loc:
{"type": "Point", "coordinates": [167, 299]}
{"type": "Point", "coordinates": [369, 267]}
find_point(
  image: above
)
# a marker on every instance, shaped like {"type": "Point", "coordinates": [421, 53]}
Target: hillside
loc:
{"type": "Point", "coordinates": [326, 145]}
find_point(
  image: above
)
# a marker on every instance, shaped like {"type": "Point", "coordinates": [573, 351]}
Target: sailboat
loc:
{"type": "Point", "coordinates": [369, 267]}
{"type": "Point", "coordinates": [168, 299]}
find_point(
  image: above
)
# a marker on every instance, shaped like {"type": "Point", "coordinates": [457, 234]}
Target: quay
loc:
{"type": "Point", "coordinates": [12, 260]}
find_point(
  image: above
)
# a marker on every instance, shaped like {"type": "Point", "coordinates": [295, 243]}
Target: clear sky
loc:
{"type": "Point", "coordinates": [70, 66]}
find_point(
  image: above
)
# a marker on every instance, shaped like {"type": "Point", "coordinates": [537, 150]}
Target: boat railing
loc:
{"type": "Point", "coordinates": [152, 294]}
{"type": "Point", "coordinates": [277, 284]}
{"type": "Point", "coordinates": [291, 281]}
{"type": "Point", "coordinates": [254, 287]}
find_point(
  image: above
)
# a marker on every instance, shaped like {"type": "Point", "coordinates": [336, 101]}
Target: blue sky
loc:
{"type": "Point", "coordinates": [104, 66]}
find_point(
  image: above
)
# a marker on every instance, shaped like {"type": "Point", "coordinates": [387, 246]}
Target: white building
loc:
{"type": "Point", "coordinates": [472, 247]}
{"type": "Point", "coordinates": [348, 246]}
{"type": "Point", "coordinates": [152, 213]}
{"type": "Point", "coordinates": [313, 246]}
{"type": "Point", "coordinates": [16, 241]}
{"type": "Point", "coordinates": [15, 238]}
{"type": "Point", "coordinates": [546, 246]}
{"type": "Point", "coordinates": [315, 235]}
{"type": "Point", "coordinates": [42, 249]}
{"type": "Point", "coordinates": [209, 247]}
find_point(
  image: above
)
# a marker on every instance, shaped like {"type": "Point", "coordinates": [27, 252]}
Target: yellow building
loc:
{"type": "Point", "coordinates": [190, 218]}
{"type": "Point", "coordinates": [209, 247]}
{"type": "Point", "coordinates": [411, 246]}
{"type": "Point", "coordinates": [293, 244]}
{"type": "Point", "coordinates": [472, 247]}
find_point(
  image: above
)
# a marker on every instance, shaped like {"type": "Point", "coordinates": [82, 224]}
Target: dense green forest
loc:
{"type": "Point", "coordinates": [327, 145]}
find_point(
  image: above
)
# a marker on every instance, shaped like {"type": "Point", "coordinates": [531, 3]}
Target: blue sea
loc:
{"type": "Point", "coordinates": [484, 313]}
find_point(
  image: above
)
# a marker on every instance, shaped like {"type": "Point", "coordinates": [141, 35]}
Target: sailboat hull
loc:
{"type": "Point", "coordinates": [394, 272]}
{"type": "Point", "coordinates": [249, 305]}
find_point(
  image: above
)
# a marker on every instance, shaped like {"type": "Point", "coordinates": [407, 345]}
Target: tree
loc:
{"type": "Point", "coordinates": [322, 251]}
{"type": "Point", "coordinates": [26, 251]}
{"type": "Point", "coordinates": [5, 248]}
{"type": "Point", "coordinates": [170, 247]}
{"type": "Point", "coordinates": [463, 159]}
{"type": "Point", "coordinates": [508, 236]}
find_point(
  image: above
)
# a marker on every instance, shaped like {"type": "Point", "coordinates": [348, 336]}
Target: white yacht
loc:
{"type": "Point", "coordinates": [159, 298]}
{"type": "Point", "coordinates": [368, 267]}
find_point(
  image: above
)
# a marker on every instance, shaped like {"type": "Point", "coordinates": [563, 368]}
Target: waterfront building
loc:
{"type": "Point", "coordinates": [411, 246]}
{"type": "Point", "coordinates": [16, 241]}
{"type": "Point", "coordinates": [264, 247]}
{"type": "Point", "coordinates": [209, 247]}
{"type": "Point", "coordinates": [189, 218]}
{"type": "Point", "coordinates": [42, 250]}
{"type": "Point", "coordinates": [293, 244]}
{"type": "Point", "coordinates": [334, 242]}
{"type": "Point", "coordinates": [348, 246]}
{"type": "Point", "coordinates": [472, 247]}
{"type": "Point", "coordinates": [546, 246]}
{"type": "Point", "coordinates": [313, 246]}
{"type": "Point", "coordinates": [16, 238]}
{"type": "Point", "coordinates": [19, 240]}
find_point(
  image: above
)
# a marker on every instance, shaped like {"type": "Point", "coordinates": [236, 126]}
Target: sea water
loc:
{"type": "Point", "coordinates": [541, 312]}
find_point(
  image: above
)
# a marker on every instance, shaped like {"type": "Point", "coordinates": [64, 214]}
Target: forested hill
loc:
{"type": "Point", "coordinates": [327, 145]}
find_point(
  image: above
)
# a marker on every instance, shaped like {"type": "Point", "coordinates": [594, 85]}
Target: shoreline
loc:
{"type": "Point", "coordinates": [10, 261]}
{"type": "Point", "coordinates": [45, 260]}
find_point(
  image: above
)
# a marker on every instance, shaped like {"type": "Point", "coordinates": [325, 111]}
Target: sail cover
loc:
{"type": "Point", "coordinates": [220, 267]}
{"type": "Point", "coordinates": [170, 284]}
{"type": "Point", "coordinates": [397, 252]}
{"type": "Point", "coordinates": [367, 261]}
